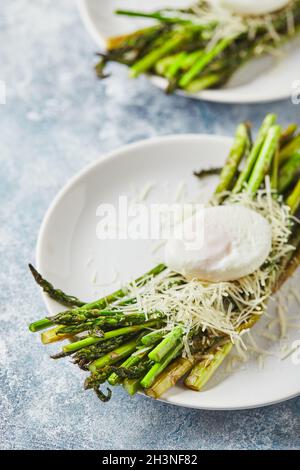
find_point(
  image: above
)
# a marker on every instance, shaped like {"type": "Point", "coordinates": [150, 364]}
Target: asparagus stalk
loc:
{"type": "Point", "coordinates": [77, 316]}
{"type": "Point", "coordinates": [158, 367]}
{"type": "Point", "coordinates": [131, 361]}
{"type": "Point", "coordinates": [152, 57]}
{"type": "Point", "coordinates": [181, 366]}
{"type": "Point", "coordinates": [156, 15]}
{"type": "Point", "coordinates": [53, 335]}
{"type": "Point", "coordinates": [288, 134]}
{"type": "Point", "coordinates": [175, 65]}
{"type": "Point", "coordinates": [98, 304]}
{"type": "Point", "coordinates": [94, 327]}
{"type": "Point", "coordinates": [205, 369]}
{"type": "Point", "coordinates": [153, 337]}
{"type": "Point", "coordinates": [294, 198]}
{"type": "Point", "coordinates": [240, 146]}
{"type": "Point", "coordinates": [101, 324]}
{"type": "Point", "coordinates": [97, 378]}
{"type": "Point", "coordinates": [40, 325]}
{"type": "Point", "coordinates": [275, 169]}
{"type": "Point", "coordinates": [118, 46]}
{"type": "Point", "coordinates": [88, 341]}
{"type": "Point", "coordinates": [132, 386]}
{"type": "Point", "coordinates": [269, 120]}
{"type": "Point", "coordinates": [166, 345]}
{"type": "Point", "coordinates": [83, 357]}
{"type": "Point", "coordinates": [290, 149]}
{"type": "Point", "coordinates": [162, 65]}
{"type": "Point", "coordinates": [203, 61]}
{"type": "Point", "coordinates": [170, 376]}
{"type": "Point", "coordinates": [104, 398]}
{"type": "Point", "coordinates": [192, 58]}
{"type": "Point", "coordinates": [114, 356]}
{"type": "Point", "coordinates": [135, 371]}
{"type": "Point", "coordinates": [288, 171]}
{"type": "Point", "coordinates": [264, 159]}
{"type": "Point", "coordinates": [56, 294]}
{"type": "Point", "coordinates": [202, 83]}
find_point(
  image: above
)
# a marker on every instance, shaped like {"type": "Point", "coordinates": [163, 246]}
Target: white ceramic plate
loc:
{"type": "Point", "coordinates": [70, 255]}
{"type": "Point", "coordinates": [263, 79]}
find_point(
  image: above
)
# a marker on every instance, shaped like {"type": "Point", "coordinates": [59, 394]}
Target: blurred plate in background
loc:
{"type": "Point", "coordinates": [264, 79]}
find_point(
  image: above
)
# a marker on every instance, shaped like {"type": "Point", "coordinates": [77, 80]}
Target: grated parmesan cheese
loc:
{"type": "Point", "coordinates": [145, 191]}
{"type": "Point", "coordinates": [223, 308]}
{"type": "Point", "coordinates": [180, 191]}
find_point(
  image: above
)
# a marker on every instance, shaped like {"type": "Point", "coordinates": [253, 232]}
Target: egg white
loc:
{"type": "Point", "coordinates": [233, 241]}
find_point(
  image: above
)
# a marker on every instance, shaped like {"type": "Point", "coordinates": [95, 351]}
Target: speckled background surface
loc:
{"type": "Point", "coordinates": [58, 118]}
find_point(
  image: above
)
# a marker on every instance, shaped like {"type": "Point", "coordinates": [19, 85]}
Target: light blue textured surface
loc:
{"type": "Point", "coordinates": [57, 119]}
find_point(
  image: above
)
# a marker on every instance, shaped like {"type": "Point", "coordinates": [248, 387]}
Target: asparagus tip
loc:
{"type": "Point", "coordinates": [101, 395]}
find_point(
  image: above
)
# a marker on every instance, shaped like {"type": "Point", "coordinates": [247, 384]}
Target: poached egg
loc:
{"type": "Point", "coordinates": [254, 7]}
{"type": "Point", "coordinates": [232, 241]}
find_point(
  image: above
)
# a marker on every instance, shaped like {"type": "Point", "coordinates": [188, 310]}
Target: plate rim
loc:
{"type": "Point", "coordinates": [215, 96]}
{"type": "Point", "coordinates": [114, 154]}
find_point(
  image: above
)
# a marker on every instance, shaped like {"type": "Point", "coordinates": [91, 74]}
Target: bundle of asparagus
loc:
{"type": "Point", "coordinates": [147, 335]}
{"type": "Point", "coordinates": [199, 47]}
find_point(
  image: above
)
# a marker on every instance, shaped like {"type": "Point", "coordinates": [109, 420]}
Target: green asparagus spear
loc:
{"type": "Point", "coordinates": [152, 57]}
{"type": "Point", "coordinates": [288, 172]}
{"type": "Point", "coordinates": [264, 159]}
{"type": "Point", "coordinates": [290, 149]}
{"type": "Point", "coordinates": [202, 83]}
{"type": "Point", "coordinates": [203, 371]}
{"type": "Point", "coordinates": [166, 345]}
{"type": "Point", "coordinates": [240, 147]}
{"type": "Point", "coordinates": [269, 120]}
{"type": "Point", "coordinates": [94, 351]}
{"type": "Point", "coordinates": [40, 325]}
{"type": "Point", "coordinates": [203, 61]}
{"type": "Point", "coordinates": [102, 397]}
{"type": "Point", "coordinates": [175, 65]}
{"type": "Point", "coordinates": [294, 198]}
{"type": "Point", "coordinates": [132, 386]}
{"type": "Point", "coordinates": [153, 337]}
{"type": "Point", "coordinates": [131, 361]}
{"type": "Point", "coordinates": [98, 304]}
{"type": "Point", "coordinates": [97, 378]}
{"type": "Point", "coordinates": [170, 376]}
{"type": "Point", "coordinates": [156, 15]}
{"type": "Point", "coordinates": [135, 371]}
{"type": "Point", "coordinates": [158, 367]}
{"type": "Point", "coordinates": [275, 168]}
{"type": "Point", "coordinates": [114, 356]}
{"type": "Point", "coordinates": [207, 172]}
{"type": "Point", "coordinates": [288, 134]}
{"type": "Point", "coordinates": [56, 294]}
{"type": "Point", "coordinates": [53, 335]}
{"type": "Point", "coordinates": [88, 341]}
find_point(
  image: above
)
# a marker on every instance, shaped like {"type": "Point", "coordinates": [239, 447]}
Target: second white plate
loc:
{"type": "Point", "coordinates": [71, 256]}
{"type": "Point", "coordinates": [264, 79]}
